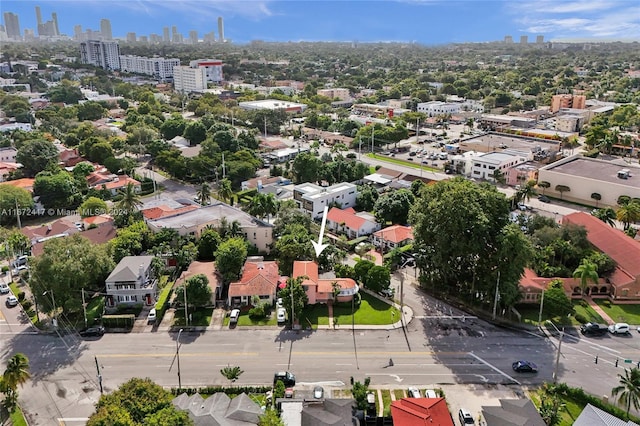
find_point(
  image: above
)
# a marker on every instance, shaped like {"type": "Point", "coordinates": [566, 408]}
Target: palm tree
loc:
{"type": "Point", "coordinates": [17, 371]}
{"type": "Point", "coordinates": [224, 190]}
{"type": "Point", "coordinates": [231, 373]}
{"type": "Point", "coordinates": [544, 185]}
{"type": "Point", "coordinates": [130, 199]}
{"type": "Point", "coordinates": [628, 214]}
{"type": "Point", "coordinates": [586, 271]}
{"type": "Point", "coordinates": [629, 389]}
{"type": "Point", "coordinates": [204, 194]}
{"type": "Point", "coordinates": [527, 191]}
{"type": "Point", "coordinates": [270, 205]}
{"type": "Point", "coordinates": [607, 215]}
{"type": "Point", "coordinates": [256, 206]}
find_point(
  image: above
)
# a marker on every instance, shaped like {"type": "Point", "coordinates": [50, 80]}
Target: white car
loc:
{"type": "Point", "coordinates": [281, 315]}
{"type": "Point", "coordinates": [152, 316]}
{"type": "Point", "coordinates": [233, 317]}
{"type": "Point", "coordinates": [4, 288]}
{"type": "Point", "coordinates": [414, 392]}
{"type": "Point", "coordinates": [619, 328]}
{"type": "Point", "coordinates": [12, 301]}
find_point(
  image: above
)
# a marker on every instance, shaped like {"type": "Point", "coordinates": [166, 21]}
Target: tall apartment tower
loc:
{"type": "Point", "coordinates": [540, 39]}
{"type": "Point", "coordinates": [165, 35]}
{"type": "Point", "coordinates": [103, 54]}
{"type": "Point", "coordinates": [220, 30]}
{"type": "Point", "coordinates": [193, 37]}
{"type": "Point", "coordinates": [131, 37]}
{"type": "Point", "coordinates": [524, 39]}
{"type": "Point", "coordinates": [105, 29]}
{"type": "Point", "coordinates": [38, 20]}
{"type": "Point", "coordinates": [508, 39]}
{"type": "Point", "coordinates": [12, 25]}
{"type": "Point", "coordinates": [54, 19]}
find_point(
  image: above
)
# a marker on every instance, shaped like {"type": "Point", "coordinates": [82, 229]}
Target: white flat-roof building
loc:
{"type": "Point", "coordinates": [103, 54]}
{"type": "Point", "coordinates": [273, 104]}
{"type": "Point", "coordinates": [312, 198]}
{"type": "Point", "coordinates": [285, 154]}
{"type": "Point", "coordinates": [160, 68]}
{"type": "Point", "coordinates": [485, 165]}
{"type": "Point", "coordinates": [213, 68]}
{"type": "Point", "coordinates": [434, 108]}
{"type": "Point", "coordinates": [187, 79]}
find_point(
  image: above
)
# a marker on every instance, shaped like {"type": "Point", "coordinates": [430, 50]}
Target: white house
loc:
{"type": "Point", "coordinates": [131, 282]}
{"type": "Point", "coordinates": [312, 198]}
{"type": "Point", "coordinates": [485, 165]}
{"type": "Point", "coordinates": [8, 154]}
{"type": "Point", "coordinates": [434, 108]}
{"type": "Point", "coordinates": [354, 225]}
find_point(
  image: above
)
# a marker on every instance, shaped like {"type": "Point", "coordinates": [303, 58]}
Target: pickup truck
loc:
{"type": "Point", "coordinates": [593, 329]}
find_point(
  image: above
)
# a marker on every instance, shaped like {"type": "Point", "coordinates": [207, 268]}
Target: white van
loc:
{"type": "Point", "coordinates": [233, 317]}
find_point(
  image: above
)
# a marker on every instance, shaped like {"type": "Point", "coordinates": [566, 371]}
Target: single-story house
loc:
{"type": "Point", "coordinates": [259, 278]}
{"type": "Point", "coordinates": [512, 412]}
{"type": "Point", "coordinates": [393, 237]}
{"type": "Point", "coordinates": [421, 411]}
{"type": "Point", "coordinates": [320, 290]}
{"type": "Point", "coordinates": [351, 223]}
{"type": "Point", "coordinates": [131, 282]}
{"type": "Point", "coordinates": [593, 416]}
{"type": "Point", "coordinates": [208, 269]}
{"type": "Point", "coordinates": [24, 183]}
{"type": "Point", "coordinates": [219, 409]}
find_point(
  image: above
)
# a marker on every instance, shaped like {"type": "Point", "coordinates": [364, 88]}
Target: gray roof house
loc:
{"type": "Point", "coordinates": [131, 282]}
{"type": "Point", "coordinates": [219, 409]}
{"type": "Point", "coordinates": [593, 416]}
{"type": "Point", "coordinates": [512, 412]}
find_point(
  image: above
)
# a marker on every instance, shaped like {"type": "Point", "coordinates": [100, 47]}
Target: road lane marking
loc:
{"type": "Point", "coordinates": [296, 353]}
{"type": "Point", "coordinates": [494, 368]}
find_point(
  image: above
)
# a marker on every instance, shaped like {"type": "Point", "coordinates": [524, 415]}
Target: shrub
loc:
{"type": "Point", "coordinates": [581, 319]}
{"type": "Point", "coordinates": [5, 269]}
{"type": "Point", "coordinates": [118, 321]}
{"type": "Point", "coordinates": [27, 304]}
{"type": "Point", "coordinates": [235, 390]}
{"type": "Point", "coordinates": [607, 303]}
{"type": "Point", "coordinates": [20, 296]}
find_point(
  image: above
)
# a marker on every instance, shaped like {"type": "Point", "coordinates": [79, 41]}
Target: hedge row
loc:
{"type": "Point", "coordinates": [118, 321]}
{"type": "Point", "coordinates": [163, 300]}
{"type": "Point", "coordinates": [210, 390]}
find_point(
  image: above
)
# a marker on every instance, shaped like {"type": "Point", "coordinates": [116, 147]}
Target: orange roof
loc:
{"type": "Point", "coordinates": [395, 233]}
{"type": "Point", "coordinates": [24, 183]}
{"type": "Point", "coordinates": [121, 182]}
{"type": "Point", "coordinates": [258, 278]}
{"type": "Point", "coordinates": [165, 211]}
{"type": "Point", "coordinates": [421, 411]}
{"type": "Point", "coordinates": [306, 268]}
{"type": "Point", "coordinates": [208, 269]}
{"type": "Point", "coordinates": [624, 250]}
{"type": "Point", "coordinates": [531, 281]}
{"type": "Point", "coordinates": [346, 216]}
{"type": "Point", "coordinates": [97, 220]}
{"type": "Point", "coordinates": [326, 285]}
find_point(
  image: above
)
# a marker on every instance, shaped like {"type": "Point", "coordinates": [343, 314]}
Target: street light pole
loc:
{"type": "Point", "coordinates": [496, 297]}
{"type": "Point", "coordinates": [555, 370]}
{"type": "Point", "coordinates": [54, 320]}
{"type": "Point", "coordinates": [540, 313]}
{"type": "Point", "coordinates": [178, 358]}
{"type": "Point", "coordinates": [84, 308]}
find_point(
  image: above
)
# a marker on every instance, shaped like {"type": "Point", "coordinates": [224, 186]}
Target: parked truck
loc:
{"type": "Point", "coordinates": [452, 148]}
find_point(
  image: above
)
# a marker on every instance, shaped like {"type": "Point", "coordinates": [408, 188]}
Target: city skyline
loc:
{"type": "Point", "coordinates": [421, 21]}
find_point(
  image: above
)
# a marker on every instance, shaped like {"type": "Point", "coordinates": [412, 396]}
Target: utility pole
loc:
{"type": "Point", "coordinates": [540, 313]}
{"type": "Point", "coordinates": [99, 375]}
{"type": "Point", "coordinates": [555, 370]}
{"type": "Point", "coordinates": [265, 126]}
{"type": "Point", "coordinates": [372, 136]}
{"type": "Point", "coordinates": [497, 296]}
{"type": "Point", "coordinates": [18, 215]}
{"type": "Point", "coordinates": [178, 358]}
{"type": "Point", "coordinates": [84, 308]}
{"type": "Point", "coordinates": [186, 316]}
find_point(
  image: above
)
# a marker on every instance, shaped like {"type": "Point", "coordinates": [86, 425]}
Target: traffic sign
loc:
{"type": "Point", "coordinates": [627, 361]}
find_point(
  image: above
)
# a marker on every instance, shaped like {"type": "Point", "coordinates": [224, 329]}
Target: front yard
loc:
{"type": "Point", "coordinates": [621, 313]}
{"type": "Point", "coordinates": [199, 317]}
{"type": "Point", "coordinates": [530, 315]}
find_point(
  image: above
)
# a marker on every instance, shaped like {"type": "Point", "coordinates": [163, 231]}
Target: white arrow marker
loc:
{"type": "Point", "coordinates": [318, 247]}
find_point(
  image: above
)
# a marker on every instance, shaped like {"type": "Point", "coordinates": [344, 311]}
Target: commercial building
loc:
{"type": "Point", "coordinates": [103, 54]}
{"type": "Point", "coordinates": [493, 122]}
{"type": "Point", "coordinates": [313, 198]}
{"type": "Point", "coordinates": [212, 67]}
{"type": "Point", "coordinates": [435, 108]}
{"type": "Point", "coordinates": [273, 104]}
{"type": "Point", "coordinates": [567, 101]}
{"type": "Point", "coordinates": [485, 165]}
{"type": "Point", "coordinates": [187, 79]}
{"type": "Point", "coordinates": [342, 94]}
{"type": "Point", "coordinates": [159, 68]}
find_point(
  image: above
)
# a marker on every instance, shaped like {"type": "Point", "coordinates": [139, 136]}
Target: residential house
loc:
{"type": "Point", "coordinates": [593, 416]}
{"type": "Point", "coordinates": [131, 282]}
{"type": "Point", "coordinates": [192, 222]}
{"type": "Point", "coordinates": [219, 409]}
{"type": "Point", "coordinates": [313, 198]}
{"type": "Point", "coordinates": [6, 168]}
{"type": "Point", "coordinates": [69, 157]}
{"type": "Point", "coordinates": [521, 173]}
{"type": "Point", "coordinates": [421, 411]}
{"type": "Point", "coordinates": [259, 278]}
{"type": "Point", "coordinates": [208, 269]}
{"type": "Point", "coordinates": [348, 221]}
{"type": "Point", "coordinates": [111, 182]}
{"type": "Point", "coordinates": [513, 412]}
{"type": "Point", "coordinates": [24, 183]}
{"type": "Point", "coordinates": [39, 235]}
{"type": "Point", "coordinates": [315, 412]}
{"type": "Point", "coordinates": [320, 290]}
{"type": "Point", "coordinates": [8, 154]}
{"type": "Point", "coordinates": [394, 236]}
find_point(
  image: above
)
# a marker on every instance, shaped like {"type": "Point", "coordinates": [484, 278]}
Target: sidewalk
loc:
{"type": "Point", "coordinates": [599, 310]}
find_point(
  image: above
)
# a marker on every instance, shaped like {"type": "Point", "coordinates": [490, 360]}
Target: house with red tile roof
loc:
{"type": "Point", "coordinates": [531, 287]}
{"type": "Point", "coordinates": [61, 228]}
{"type": "Point", "coordinates": [421, 411]}
{"type": "Point", "coordinates": [259, 278]}
{"type": "Point", "coordinates": [393, 236]}
{"type": "Point", "coordinates": [348, 221]}
{"type": "Point", "coordinates": [93, 221]}
{"type": "Point", "coordinates": [320, 290]}
{"type": "Point", "coordinates": [111, 182]}
{"type": "Point", "coordinates": [161, 211]}
{"type": "Point", "coordinates": [24, 183]}
{"type": "Point", "coordinates": [208, 269]}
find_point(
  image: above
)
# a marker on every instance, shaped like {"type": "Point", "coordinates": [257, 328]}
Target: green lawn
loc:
{"type": "Point", "coordinates": [199, 317]}
{"type": "Point", "coordinates": [244, 320]}
{"type": "Point", "coordinates": [402, 162]}
{"type": "Point", "coordinates": [17, 418]}
{"type": "Point", "coordinates": [530, 315]}
{"type": "Point", "coordinates": [95, 309]}
{"type": "Point", "coordinates": [621, 313]}
{"type": "Point", "coordinates": [399, 394]}
{"type": "Point", "coordinates": [386, 401]}
{"type": "Point", "coordinates": [316, 315]}
{"type": "Point", "coordinates": [371, 311]}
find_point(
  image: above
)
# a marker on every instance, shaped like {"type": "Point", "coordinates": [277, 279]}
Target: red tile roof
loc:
{"type": "Point", "coordinates": [258, 278]}
{"type": "Point", "coordinates": [395, 234]}
{"type": "Point", "coordinates": [24, 183]}
{"type": "Point", "coordinates": [121, 182]}
{"type": "Point", "coordinates": [208, 269]}
{"type": "Point", "coordinates": [346, 216]}
{"type": "Point", "coordinates": [624, 250]}
{"type": "Point", "coordinates": [306, 268]}
{"type": "Point", "coordinates": [421, 411]}
{"type": "Point", "coordinates": [326, 285]}
{"type": "Point", "coordinates": [96, 220]}
{"type": "Point", "coordinates": [166, 211]}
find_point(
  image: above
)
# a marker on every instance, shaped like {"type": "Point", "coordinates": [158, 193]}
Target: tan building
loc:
{"type": "Point", "coordinates": [586, 176]}
{"type": "Point", "coordinates": [568, 101]}
{"type": "Point", "coordinates": [342, 94]}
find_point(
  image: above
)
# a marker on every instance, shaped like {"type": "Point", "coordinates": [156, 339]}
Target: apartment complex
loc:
{"type": "Point", "coordinates": [312, 198]}
{"type": "Point", "coordinates": [187, 79]}
{"type": "Point", "coordinates": [212, 67]}
{"type": "Point", "coordinates": [342, 94]}
{"type": "Point", "coordinates": [568, 101]}
{"type": "Point", "coordinates": [103, 54]}
{"type": "Point", "coordinates": [159, 68]}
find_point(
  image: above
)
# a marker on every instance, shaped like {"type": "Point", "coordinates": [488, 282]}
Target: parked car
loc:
{"type": "Point", "coordinates": [465, 417]}
{"type": "Point", "coordinates": [152, 316]}
{"type": "Point", "coordinates": [524, 367]}
{"type": "Point", "coordinates": [386, 292]}
{"type": "Point", "coordinates": [544, 199]}
{"type": "Point", "coordinates": [430, 393]}
{"type": "Point", "coordinates": [95, 331]}
{"type": "Point", "coordinates": [289, 392]}
{"type": "Point", "coordinates": [4, 288]}
{"type": "Point", "coordinates": [413, 154]}
{"type": "Point", "coordinates": [289, 379]}
{"type": "Point", "coordinates": [279, 302]}
{"type": "Point", "coordinates": [20, 261]}
{"type": "Point", "coordinates": [281, 315]}
{"type": "Point", "coordinates": [593, 329]}
{"type": "Point", "coordinates": [233, 316]}
{"type": "Point", "coordinates": [619, 328]}
{"type": "Point", "coordinates": [12, 301]}
{"type": "Point", "coordinates": [414, 392]}
{"type": "Point", "coordinates": [318, 392]}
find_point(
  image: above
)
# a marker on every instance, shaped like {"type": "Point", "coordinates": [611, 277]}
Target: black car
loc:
{"type": "Point", "coordinates": [285, 377]}
{"type": "Point", "coordinates": [593, 329]}
{"type": "Point", "coordinates": [543, 199]}
{"type": "Point", "coordinates": [524, 367]}
{"type": "Point", "coordinates": [92, 331]}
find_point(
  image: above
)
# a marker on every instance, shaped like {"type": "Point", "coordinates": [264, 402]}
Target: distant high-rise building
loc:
{"type": "Point", "coordinates": [143, 39]}
{"type": "Point", "coordinates": [165, 35]}
{"type": "Point", "coordinates": [12, 26]}
{"type": "Point", "coordinates": [105, 29]}
{"type": "Point", "coordinates": [77, 33]}
{"type": "Point", "coordinates": [103, 54]}
{"type": "Point", "coordinates": [508, 39]}
{"type": "Point", "coordinates": [155, 39]}
{"type": "Point", "coordinates": [38, 19]}
{"type": "Point", "coordinates": [193, 37]}
{"type": "Point", "coordinates": [220, 30]}
{"type": "Point", "coordinates": [131, 37]}
{"type": "Point", "coordinates": [209, 37]}
{"type": "Point", "coordinates": [160, 68]}
{"type": "Point", "coordinates": [540, 39]}
{"type": "Point", "coordinates": [49, 28]}
{"type": "Point", "coordinates": [524, 39]}
{"type": "Point", "coordinates": [54, 19]}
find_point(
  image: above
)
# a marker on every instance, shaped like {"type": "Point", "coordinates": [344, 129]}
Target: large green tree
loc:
{"type": "Point", "coordinates": [57, 190]}
{"type": "Point", "coordinates": [208, 244]}
{"type": "Point", "coordinates": [306, 168]}
{"type": "Point", "coordinates": [198, 291]}
{"type": "Point", "coordinates": [556, 303]}
{"type": "Point", "coordinates": [294, 298]}
{"type": "Point", "coordinates": [10, 197]}
{"type": "Point", "coordinates": [394, 206]}
{"type": "Point", "coordinates": [230, 258]}
{"type": "Point", "coordinates": [628, 391]}
{"type": "Point", "coordinates": [36, 155]}
{"type": "Point", "coordinates": [293, 244]}
{"type": "Point", "coordinates": [93, 206]}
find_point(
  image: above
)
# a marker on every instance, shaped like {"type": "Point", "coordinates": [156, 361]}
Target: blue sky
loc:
{"type": "Point", "coordinates": [422, 21]}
